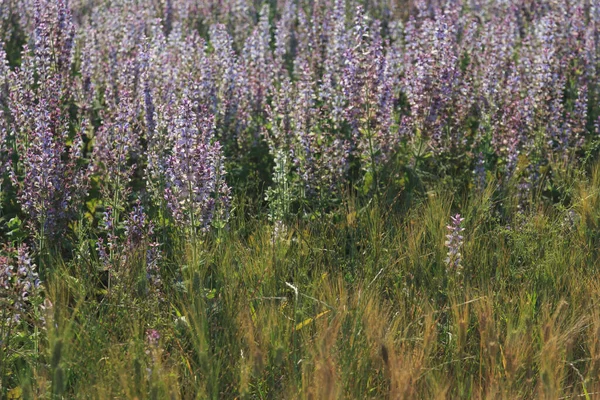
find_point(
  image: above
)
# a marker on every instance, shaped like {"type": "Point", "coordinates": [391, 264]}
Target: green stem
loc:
{"type": "Point", "coordinates": [371, 151]}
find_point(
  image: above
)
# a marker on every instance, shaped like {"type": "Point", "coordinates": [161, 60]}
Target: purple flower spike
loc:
{"type": "Point", "coordinates": [19, 282]}
{"type": "Point", "coordinates": [196, 191]}
{"type": "Point", "coordinates": [454, 244]}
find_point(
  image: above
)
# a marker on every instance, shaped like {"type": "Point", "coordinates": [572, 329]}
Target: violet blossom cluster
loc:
{"type": "Point", "coordinates": [4, 71]}
{"type": "Point", "coordinates": [47, 171]}
{"type": "Point", "coordinates": [116, 148]}
{"type": "Point", "coordinates": [19, 282]}
{"type": "Point", "coordinates": [136, 238]}
{"type": "Point", "coordinates": [138, 232]}
{"type": "Point", "coordinates": [454, 244]}
{"type": "Point", "coordinates": [367, 82]}
{"type": "Point", "coordinates": [196, 191]}
{"type": "Point", "coordinates": [144, 99]}
{"type": "Point", "coordinates": [432, 79]}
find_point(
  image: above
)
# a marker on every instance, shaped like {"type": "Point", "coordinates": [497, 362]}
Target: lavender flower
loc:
{"type": "Point", "coordinates": [152, 337]}
{"type": "Point", "coordinates": [4, 73]}
{"type": "Point", "coordinates": [47, 172]}
{"type": "Point", "coordinates": [258, 64]}
{"type": "Point", "coordinates": [320, 157]}
{"type": "Point", "coordinates": [49, 184]}
{"type": "Point", "coordinates": [106, 252]}
{"type": "Point", "coordinates": [479, 172]}
{"type": "Point", "coordinates": [139, 232]}
{"type": "Point", "coordinates": [231, 89]}
{"type": "Point", "coordinates": [115, 150]}
{"type": "Point", "coordinates": [433, 77]}
{"type": "Point", "coordinates": [121, 86]}
{"type": "Point", "coordinates": [336, 47]}
{"type": "Point", "coordinates": [18, 282]}
{"type": "Point", "coordinates": [119, 248]}
{"type": "Point", "coordinates": [196, 192]}
{"type": "Point", "coordinates": [367, 82]}
{"type": "Point", "coordinates": [153, 256]}
{"type": "Point", "coordinates": [454, 244]}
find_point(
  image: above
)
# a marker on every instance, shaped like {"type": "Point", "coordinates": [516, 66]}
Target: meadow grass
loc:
{"type": "Point", "coordinates": [356, 306]}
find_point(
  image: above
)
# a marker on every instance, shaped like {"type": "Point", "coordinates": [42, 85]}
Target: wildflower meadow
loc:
{"type": "Point", "coordinates": [299, 199]}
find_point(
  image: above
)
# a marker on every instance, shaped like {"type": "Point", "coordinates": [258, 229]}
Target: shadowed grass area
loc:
{"type": "Point", "coordinates": [359, 307]}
